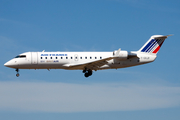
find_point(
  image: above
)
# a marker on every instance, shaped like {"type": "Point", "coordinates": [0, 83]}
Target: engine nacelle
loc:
{"type": "Point", "coordinates": [121, 55]}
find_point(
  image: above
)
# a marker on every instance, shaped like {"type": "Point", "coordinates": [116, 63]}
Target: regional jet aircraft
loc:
{"type": "Point", "coordinates": [88, 61]}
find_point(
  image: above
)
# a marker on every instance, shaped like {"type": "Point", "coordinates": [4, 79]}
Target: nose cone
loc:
{"type": "Point", "coordinates": [10, 64]}
{"type": "Point", "coordinates": [6, 64]}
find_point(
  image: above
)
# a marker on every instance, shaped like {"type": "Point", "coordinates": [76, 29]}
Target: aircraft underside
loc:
{"type": "Point", "coordinates": [87, 71]}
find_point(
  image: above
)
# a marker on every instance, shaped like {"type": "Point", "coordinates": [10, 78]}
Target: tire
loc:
{"type": "Point", "coordinates": [17, 75]}
{"type": "Point", "coordinates": [86, 75]}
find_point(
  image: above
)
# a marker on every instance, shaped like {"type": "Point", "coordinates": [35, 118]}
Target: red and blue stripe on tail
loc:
{"type": "Point", "coordinates": [153, 44]}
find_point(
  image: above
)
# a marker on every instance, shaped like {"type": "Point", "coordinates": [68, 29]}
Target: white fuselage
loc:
{"type": "Point", "coordinates": [63, 60]}
{"type": "Point", "coordinates": [88, 61]}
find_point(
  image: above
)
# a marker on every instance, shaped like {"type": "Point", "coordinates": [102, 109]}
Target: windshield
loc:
{"type": "Point", "coordinates": [20, 56]}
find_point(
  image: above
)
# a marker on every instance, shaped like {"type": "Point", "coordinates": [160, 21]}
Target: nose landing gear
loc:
{"type": "Point", "coordinates": [17, 70]}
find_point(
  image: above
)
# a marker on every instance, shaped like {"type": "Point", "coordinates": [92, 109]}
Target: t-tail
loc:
{"type": "Point", "coordinates": [153, 44]}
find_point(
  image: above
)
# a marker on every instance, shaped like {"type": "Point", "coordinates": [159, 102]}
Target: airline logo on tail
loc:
{"type": "Point", "coordinates": [153, 44]}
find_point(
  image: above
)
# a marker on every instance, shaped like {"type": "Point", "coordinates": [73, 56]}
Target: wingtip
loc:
{"type": "Point", "coordinates": [170, 35]}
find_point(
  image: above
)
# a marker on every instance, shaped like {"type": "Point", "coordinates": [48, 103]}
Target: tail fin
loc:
{"type": "Point", "coordinates": [153, 44]}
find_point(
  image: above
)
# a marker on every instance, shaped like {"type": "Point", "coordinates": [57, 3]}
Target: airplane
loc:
{"type": "Point", "coordinates": [88, 61]}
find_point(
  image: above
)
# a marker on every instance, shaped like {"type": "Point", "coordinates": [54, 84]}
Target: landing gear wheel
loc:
{"type": "Point", "coordinates": [84, 71]}
{"type": "Point", "coordinates": [90, 72]}
{"type": "Point", "coordinates": [17, 75]}
{"type": "Point", "coordinates": [17, 70]}
{"type": "Point", "coordinates": [86, 75]}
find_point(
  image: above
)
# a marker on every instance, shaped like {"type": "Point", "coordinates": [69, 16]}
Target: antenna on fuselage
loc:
{"type": "Point", "coordinates": [43, 51]}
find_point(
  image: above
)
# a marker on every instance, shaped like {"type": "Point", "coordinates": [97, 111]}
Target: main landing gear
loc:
{"type": "Point", "coordinates": [17, 70]}
{"type": "Point", "coordinates": [87, 73]}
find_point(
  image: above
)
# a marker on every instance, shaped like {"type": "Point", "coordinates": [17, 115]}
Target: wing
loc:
{"type": "Point", "coordinates": [95, 65]}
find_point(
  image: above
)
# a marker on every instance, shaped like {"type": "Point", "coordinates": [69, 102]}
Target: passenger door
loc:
{"type": "Point", "coordinates": [34, 58]}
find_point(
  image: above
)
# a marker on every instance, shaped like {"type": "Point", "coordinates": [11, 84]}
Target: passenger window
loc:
{"type": "Point", "coordinates": [90, 57]}
{"type": "Point", "coordinates": [61, 57]}
{"type": "Point", "coordinates": [46, 57]}
{"type": "Point", "coordinates": [80, 57]}
{"type": "Point", "coordinates": [95, 57]}
{"type": "Point", "coordinates": [100, 57]}
{"type": "Point", "coordinates": [71, 57]}
{"type": "Point", "coordinates": [66, 57]}
{"type": "Point", "coordinates": [41, 57]}
{"type": "Point", "coordinates": [85, 57]}
{"type": "Point", "coordinates": [51, 57]}
{"type": "Point", "coordinates": [56, 57]}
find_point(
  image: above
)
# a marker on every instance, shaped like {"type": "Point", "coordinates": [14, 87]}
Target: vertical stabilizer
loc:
{"type": "Point", "coordinates": [153, 44]}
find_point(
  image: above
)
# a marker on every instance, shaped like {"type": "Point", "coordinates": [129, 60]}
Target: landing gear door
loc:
{"type": "Point", "coordinates": [34, 58]}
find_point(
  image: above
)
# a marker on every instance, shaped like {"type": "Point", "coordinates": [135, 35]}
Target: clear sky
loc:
{"type": "Point", "coordinates": [150, 91]}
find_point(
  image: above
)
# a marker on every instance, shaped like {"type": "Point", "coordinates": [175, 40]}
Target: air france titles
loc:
{"type": "Point", "coordinates": [53, 54]}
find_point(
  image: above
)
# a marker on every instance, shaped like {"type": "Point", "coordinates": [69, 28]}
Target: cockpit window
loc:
{"type": "Point", "coordinates": [20, 56]}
